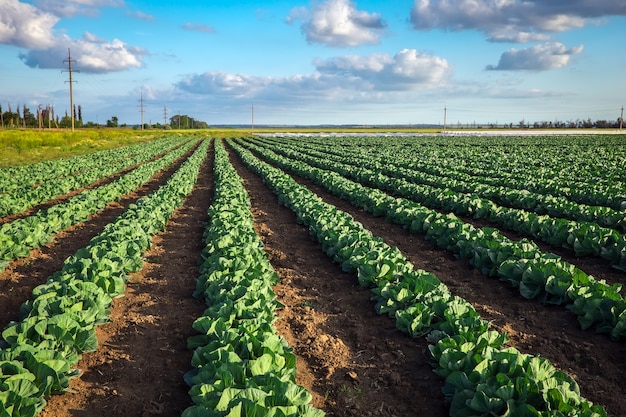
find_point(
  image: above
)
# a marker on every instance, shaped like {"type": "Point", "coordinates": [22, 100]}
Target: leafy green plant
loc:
{"type": "Point", "coordinates": [38, 352]}
{"type": "Point", "coordinates": [483, 377]}
{"type": "Point", "coordinates": [240, 366]}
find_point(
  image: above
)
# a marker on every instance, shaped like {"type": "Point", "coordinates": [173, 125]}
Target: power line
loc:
{"type": "Point", "coordinates": [141, 109]}
{"type": "Point", "coordinates": [69, 61]}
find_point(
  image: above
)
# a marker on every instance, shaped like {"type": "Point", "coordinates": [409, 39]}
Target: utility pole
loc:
{"type": "Point", "coordinates": [252, 117]}
{"type": "Point", "coordinates": [621, 119]}
{"type": "Point", "coordinates": [164, 117]}
{"type": "Point", "coordinates": [141, 110]}
{"type": "Point", "coordinates": [445, 114]}
{"type": "Point", "coordinates": [69, 61]}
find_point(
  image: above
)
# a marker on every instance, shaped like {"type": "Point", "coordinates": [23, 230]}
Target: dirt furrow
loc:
{"type": "Point", "coordinates": [142, 355]}
{"type": "Point", "coordinates": [22, 275]}
{"type": "Point", "coordinates": [597, 363]}
{"type": "Point", "coordinates": [355, 362]}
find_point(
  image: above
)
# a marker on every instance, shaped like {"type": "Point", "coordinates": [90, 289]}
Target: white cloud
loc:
{"type": "Point", "coordinates": [338, 23]}
{"type": "Point", "coordinates": [298, 13]}
{"type": "Point", "coordinates": [25, 26]}
{"type": "Point", "coordinates": [91, 55]}
{"type": "Point", "coordinates": [537, 58]}
{"type": "Point", "coordinates": [339, 78]}
{"type": "Point", "coordinates": [214, 82]}
{"type": "Point", "coordinates": [141, 16]}
{"type": "Point", "coordinates": [512, 20]}
{"type": "Point", "coordinates": [198, 27]}
{"type": "Point", "coordinates": [68, 8]}
{"type": "Point", "coordinates": [408, 69]}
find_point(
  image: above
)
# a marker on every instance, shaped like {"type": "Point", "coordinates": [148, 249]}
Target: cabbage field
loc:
{"type": "Point", "coordinates": [311, 275]}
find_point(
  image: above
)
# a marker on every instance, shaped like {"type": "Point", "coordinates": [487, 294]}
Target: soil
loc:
{"type": "Point", "coordinates": [355, 362]}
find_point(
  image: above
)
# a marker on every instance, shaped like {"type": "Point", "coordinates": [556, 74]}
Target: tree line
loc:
{"type": "Point", "coordinates": [44, 117]}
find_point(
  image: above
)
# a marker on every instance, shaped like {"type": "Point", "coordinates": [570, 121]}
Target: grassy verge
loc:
{"type": "Point", "coordinates": [24, 146]}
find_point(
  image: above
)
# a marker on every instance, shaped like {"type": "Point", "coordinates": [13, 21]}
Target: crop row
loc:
{"type": "Point", "coordinates": [241, 367]}
{"type": "Point", "coordinates": [522, 264]}
{"type": "Point", "coordinates": [18, 237]}
{"type": "Point", "coordinates": [430, 182]}
{"type": "Point", "coordinates": [482, 375]}
{"type": "Point", "coordinates": [588, 173]}
{"type": "Point", "coordinates": [81, 172]}
{"type": "Point", "coordinates": [38, 353]}
{"type": "Point", "coordinates": [582, 237]}
{"type": "Point", "coordinates": [23, 177]}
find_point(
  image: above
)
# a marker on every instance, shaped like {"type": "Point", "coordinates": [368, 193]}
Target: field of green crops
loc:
{"type": "Point", "coordinates": [544, 217]}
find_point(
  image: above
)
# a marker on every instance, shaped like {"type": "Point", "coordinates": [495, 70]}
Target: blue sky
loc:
{"type": "Point", "coordinates": [318, 62]}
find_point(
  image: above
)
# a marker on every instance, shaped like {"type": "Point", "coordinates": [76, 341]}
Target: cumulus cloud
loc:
{"type": "Point", "coordinates": [408, 69]}
{"type": "Point", "coordinates": [215, 82]}
{"type": "Point", "coordinates": [338, 23]}
{"type": "Point", "coordinates": [91, 55]}
{"type": "Point", "coordinates": [25, 26]}
{"type": "Point", "coordinates": [198, 27]}
{"type": "Point", "coordinates": [68, 8]}
{"type": "Point", "coordinates": [537, 58]}
{"type": "Point", "coordinates": [343, 76]}
{"type": "Point", "coordinates": [511, 20]}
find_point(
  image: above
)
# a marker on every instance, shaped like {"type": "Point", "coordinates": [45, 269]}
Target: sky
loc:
{"type": "Point", "coordinates": [317, 62]}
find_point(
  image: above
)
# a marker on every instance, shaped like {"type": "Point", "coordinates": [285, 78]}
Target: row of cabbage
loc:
{"type": "Point", "coordinates": [241, 367]}
{"type": "Point", "coordinates": [536, 274]}
{"type": "Point", "coordinates": [18, 237]}
{"type": "Point", "coordinates": [587, 169]}
{"type": "Point", "coordinates": [584, 238]}
{"type": "Point", "coordinates": [23, 177]}
{"type": "Point", "coordinates": [38, 353]}
{"type": "Point", "coordinates": [482, 375]}
{"type": "Point", "coordinates": [41, 182]}
{"type": "Point", "coordinates": [514, 193]}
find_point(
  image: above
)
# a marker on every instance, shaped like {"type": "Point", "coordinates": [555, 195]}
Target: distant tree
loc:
{"type": "Point", "coordinates": [113, 122]}
{"type": "Point", "coordinates": [46, 116]}
{"type": "Point", "coordinates": [9, 118]}
{"type": "Point", "coordinates": [65, 122]}
{"type": "Point", "coordinates": [28, 118]}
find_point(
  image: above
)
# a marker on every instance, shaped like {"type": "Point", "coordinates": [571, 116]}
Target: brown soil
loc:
{"type": "Point", "coordinates": [353, 361]}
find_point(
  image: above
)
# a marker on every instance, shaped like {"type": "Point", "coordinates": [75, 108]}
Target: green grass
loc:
{"type": "Point", "coordinates": [28, 146]}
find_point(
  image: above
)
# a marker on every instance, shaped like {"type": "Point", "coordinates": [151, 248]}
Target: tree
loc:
{"type": "Point", "coordinates": [10, 119]}
{"type": "Point", "coordinates": [29, 119]}
{"type": "Point", "coordinates": [65, 122]}
{"type": "Point", "coordinates": [113, 122]}
{"type": "Point", "coordinates": [185, 122]}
